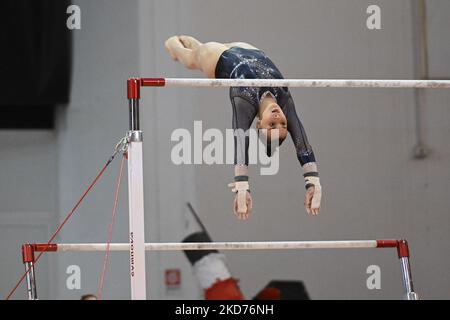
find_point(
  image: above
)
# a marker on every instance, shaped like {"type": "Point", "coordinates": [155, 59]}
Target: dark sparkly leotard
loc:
{"type": "Point", "coordinates": [240, 63]}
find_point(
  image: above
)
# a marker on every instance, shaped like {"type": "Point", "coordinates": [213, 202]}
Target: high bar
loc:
{"type": "Point", "coordinates": [174, 246]}
{"type": "Point", "coordinates": [294, 83]}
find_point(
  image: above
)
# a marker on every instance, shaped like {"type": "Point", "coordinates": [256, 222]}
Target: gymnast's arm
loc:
{"type": "Point", "coordinates": [305, 156]}
{"type": "Point", "coordinates": [243, 115]}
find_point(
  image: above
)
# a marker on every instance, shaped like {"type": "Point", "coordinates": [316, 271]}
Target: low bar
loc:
{"type": "Point", "coordinates": [400, 245]}
{"type": "Point", "coordinates": [294, 83]}
{"type": "Point", "coordinates": [174, 246]}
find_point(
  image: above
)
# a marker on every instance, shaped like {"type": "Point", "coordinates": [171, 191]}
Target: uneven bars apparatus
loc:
{"type": "Point", "coordinates": [137, 245]}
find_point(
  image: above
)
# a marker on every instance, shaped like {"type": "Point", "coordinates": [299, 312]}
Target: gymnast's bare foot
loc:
{"type": "Point", "coordinates": [189, 42]}
{"type": "Point", "coordinates": [172, 43]}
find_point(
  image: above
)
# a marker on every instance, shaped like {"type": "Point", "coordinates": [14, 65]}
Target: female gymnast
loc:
{"type": "Point", "coordinates": [273, 106]}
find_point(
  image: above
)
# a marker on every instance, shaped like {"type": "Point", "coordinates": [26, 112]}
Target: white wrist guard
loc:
{"type": "Point", "coordinates": [240, 184]}
{"type": "Point", "coordinates": [311, 179]}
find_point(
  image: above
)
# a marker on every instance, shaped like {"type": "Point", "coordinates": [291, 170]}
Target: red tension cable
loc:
{"type": "Point", "coordinates": [49, 244]}
{"type": "Point", "coordinates": [110, 230]}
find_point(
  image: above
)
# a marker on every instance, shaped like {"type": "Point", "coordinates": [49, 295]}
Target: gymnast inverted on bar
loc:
{"type": "Point", "coordinates": [273, 106]}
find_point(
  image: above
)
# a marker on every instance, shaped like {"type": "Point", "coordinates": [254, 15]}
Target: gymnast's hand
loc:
{"type": "Point", "coordinates": [243, 202]}
{"type": "Point", "coordinates": [313, 195]}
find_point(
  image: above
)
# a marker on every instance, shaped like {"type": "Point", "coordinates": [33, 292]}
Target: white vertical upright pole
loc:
{"type": "Point", "coordinates": [136, 205]}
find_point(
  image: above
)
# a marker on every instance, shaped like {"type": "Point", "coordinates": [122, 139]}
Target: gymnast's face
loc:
{"type": "Point", "coordinates": [273, 118]}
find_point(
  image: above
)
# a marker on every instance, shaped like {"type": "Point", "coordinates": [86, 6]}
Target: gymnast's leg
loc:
{"type": "Point", "coordinates": [195, 55]}
{"type": "Point", "coordinates": [244, 45]}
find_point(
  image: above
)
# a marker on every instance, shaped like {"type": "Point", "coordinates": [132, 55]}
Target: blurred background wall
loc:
{"type": "Point", "coordinates": [363, 140]}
